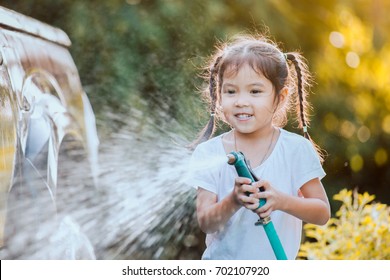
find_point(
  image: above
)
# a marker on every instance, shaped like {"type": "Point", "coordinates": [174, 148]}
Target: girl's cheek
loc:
{"type": "Point", "coordinates": [226, 117]}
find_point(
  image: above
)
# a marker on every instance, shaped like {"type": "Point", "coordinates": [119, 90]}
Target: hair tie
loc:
{"type": "Point", "coordinates": [305, 129]}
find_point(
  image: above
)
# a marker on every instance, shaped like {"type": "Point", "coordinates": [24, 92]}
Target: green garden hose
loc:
{"type": "Point", "coordinates": [238, 160]}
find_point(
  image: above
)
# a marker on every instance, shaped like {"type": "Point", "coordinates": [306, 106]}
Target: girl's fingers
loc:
{"type": "Point", "coordinates": [243, 180]}
{"type": "Point", "coordinates": [266, 208]}
{"type": "Point", "coordinates": [248, 199]}
{"type": "Point", "coordinates": [259, 195]}
{"type": "Point", "coordinates": [249, 189]}
{"type": "Point", "coordinates": [262, 185]}
{"type": "Point", "coordinates": [252, 206]}
{"type": "Point", "coordinates": [265, 214]}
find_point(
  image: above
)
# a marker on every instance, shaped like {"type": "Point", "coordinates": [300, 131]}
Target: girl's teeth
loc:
{"type": "Point", "coordinates": [243, 116]}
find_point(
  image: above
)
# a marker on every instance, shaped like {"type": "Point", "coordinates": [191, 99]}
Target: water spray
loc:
{"type": "Point", "coordinates": [239, 161]}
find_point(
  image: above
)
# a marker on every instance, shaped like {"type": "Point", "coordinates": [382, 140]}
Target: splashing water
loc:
{"type": "Point", "coordinates": [212, 162]}
{"type": "Point", "coordinates": [141, 209]}
{"type": "Point", "coordinates": [67, 242]}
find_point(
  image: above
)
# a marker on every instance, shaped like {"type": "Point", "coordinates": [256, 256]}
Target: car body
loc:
{"type": "Point", "coordinates": [43, 108]}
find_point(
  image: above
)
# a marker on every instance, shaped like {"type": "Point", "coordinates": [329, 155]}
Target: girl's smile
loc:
{"type": "Point", "coordinates": [243, 116]}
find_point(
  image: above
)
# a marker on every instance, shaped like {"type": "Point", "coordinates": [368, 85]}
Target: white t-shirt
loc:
{"type": "Point", "coordinates": [292, 163]}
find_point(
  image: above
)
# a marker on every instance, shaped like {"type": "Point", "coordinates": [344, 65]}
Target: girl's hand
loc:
{"type": "Point", "coordinates": [245, 193]}
{"type": "Point", "coordinates": [274, 199]}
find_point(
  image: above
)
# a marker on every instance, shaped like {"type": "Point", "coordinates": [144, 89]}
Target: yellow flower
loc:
{"type": "Point", "coordinates": [360, 230]}
{"type": "Point", "coordinates": [342, 195]}
{"type": "Point", "coordinates": [365, 198]}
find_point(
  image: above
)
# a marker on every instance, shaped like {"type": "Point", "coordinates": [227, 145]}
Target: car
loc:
{"type": "Point", "coordinates": [47, 129]}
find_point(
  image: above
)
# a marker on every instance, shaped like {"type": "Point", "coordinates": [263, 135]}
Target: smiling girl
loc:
{"type": "Point", "coordinates": [251, 87]}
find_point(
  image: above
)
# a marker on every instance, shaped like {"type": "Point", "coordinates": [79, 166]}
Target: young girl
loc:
{"type": "Point", "coordinates": [251, 86]}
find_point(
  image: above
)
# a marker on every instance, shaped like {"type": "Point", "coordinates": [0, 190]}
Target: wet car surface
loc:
{"type": "Point", "coordinates": [44, 113]}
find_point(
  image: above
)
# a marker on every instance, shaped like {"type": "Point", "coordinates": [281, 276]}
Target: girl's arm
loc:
{"type": "Point", "coordinates": [213, 214]}
{"type": "Point", "coordinates": [313, 207]}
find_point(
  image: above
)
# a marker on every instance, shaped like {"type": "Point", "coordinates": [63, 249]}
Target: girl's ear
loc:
{"type": "Point", "coordinates": [283, 95]}
{"type": "Point", "coordinates": [282, 98]}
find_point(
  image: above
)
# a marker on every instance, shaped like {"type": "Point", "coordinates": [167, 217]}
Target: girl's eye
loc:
{"type": "Point", "coordinates": [230, 91]}
{"type": "Point", "coordinates": [255, 91]}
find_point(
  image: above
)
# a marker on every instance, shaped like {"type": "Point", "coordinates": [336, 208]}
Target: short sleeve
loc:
{"type": "Point", "coordinates": [202, 172]}
{"type": "Point", "coordinates": [306, 165]}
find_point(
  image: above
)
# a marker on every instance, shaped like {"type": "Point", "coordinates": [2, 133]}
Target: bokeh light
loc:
{"type": "Point", "coordinates": [336, 39]}
{"type": "Point", "coordinates": [352, 59]}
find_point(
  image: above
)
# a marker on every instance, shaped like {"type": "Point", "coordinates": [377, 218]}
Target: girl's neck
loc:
{"type": "Point", "coordinates": [256, 147]}
{"type": "Point", "coordinates": [255, 137]}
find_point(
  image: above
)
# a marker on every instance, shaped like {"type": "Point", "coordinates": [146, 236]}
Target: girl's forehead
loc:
{"type": "Point", "coordinates": [244, 70]}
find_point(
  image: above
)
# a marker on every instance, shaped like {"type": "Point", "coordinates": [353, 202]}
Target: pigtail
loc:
{"type": "Point", "coordinates": [303, 83]}
{"type": "Point", "coordinates": [208, 131]}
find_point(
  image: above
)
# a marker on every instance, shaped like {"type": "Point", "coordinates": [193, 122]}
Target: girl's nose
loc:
{"type": "Point", "coordinates": [241, 101]}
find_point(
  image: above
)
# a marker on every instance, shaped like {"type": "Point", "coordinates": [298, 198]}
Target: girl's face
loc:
{"type": "Point", "coordinates": [248, 101]}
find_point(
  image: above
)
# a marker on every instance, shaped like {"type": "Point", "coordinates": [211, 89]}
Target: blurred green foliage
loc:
{"type": "Point", "coordinates": [147, 54]}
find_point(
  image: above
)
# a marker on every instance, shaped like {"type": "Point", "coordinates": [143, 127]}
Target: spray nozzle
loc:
{"type": "Point", "coordinates": [241, 164]}
{"type": "Point", "coordinates": [231, 158]}
{"type": "Point", "coordinates": [236, 158]}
